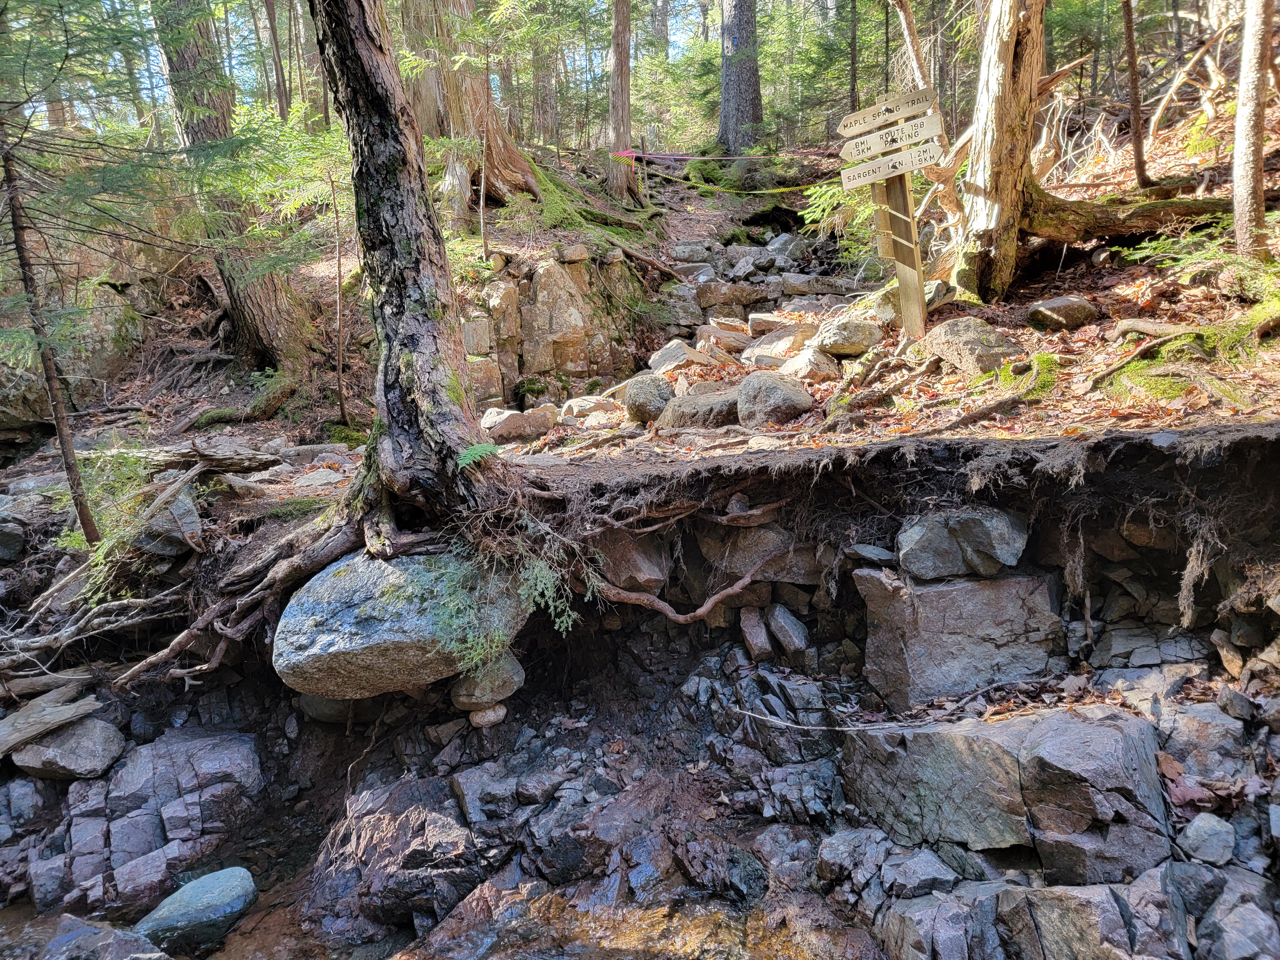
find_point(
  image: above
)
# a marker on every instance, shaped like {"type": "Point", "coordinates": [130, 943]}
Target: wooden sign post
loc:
{"type": "Point", "coordinates": [887, 136]}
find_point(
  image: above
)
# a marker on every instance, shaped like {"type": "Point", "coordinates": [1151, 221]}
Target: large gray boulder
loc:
{"type": "Point", "coordinates": [202, 912]}
{"type": "Point", "coordinates": [1080, 786]}
{"type": "Point", "coordinates": [707, 410]}
{"type": "Point", "coordinates": [1205, 740]}
{"type": "Point", "coordinates": [634, 562]}
{"type": "Point", "coordinates": [773, 348]}
{"type": "Point", "coordinates": [1209, 839]}
{"type": "Point", "coordinates": [972, 345]}
{"type": "Point", "coordinates": [365, 626]}
{"type": "Point", "coordinates": [647, 396]}
{"type": "Point", "coordinates": [735, 551]}
{"type": "Point", "coordinates": [765, 397]}
{"type": "Point", "coordinates": [927, 640]}
{"type": "Point", "coordinates": [83, 750]}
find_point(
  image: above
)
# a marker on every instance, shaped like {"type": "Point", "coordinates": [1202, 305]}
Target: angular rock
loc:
{"type": "Point", "coordinates": [754, 635]}
{"type": "Point", "coordinates": [402, 849]}
{"type": "Point", "coordinates": [791, 634]}
{"type": "Point", "coordinates": [957, 782]}
{"type": "Point", "coordinates": [778, 344]}
{"type": "Point", "coordinates": [1063, 313]}
{"type": "Point", "coordinates": [477, 338]}
{"type": "Point", "coordinates": [511, 426]}
{"type": "Point", "coordinates": [886, 307]}
{"type": "Point", "coordinates": [714, 336]}
{"type": "Point", "coordinates": [539, 787]}
{"type": "Point", "coordinates": [1208, 743]}
{"type": "Point", "coordinates": [696, 272]}
{"type": "Point", "coordinates": [554, 324]}
{"type": "Point", "coordinates": [916, 874]}
{"type": "Point", "coordinates": [691, 252]}
{"type": "Point", "coordinates": [13, 537]}
{"type": "Point", "coordinates": [182, 762]}
{"type": "Point", "coordinates": [1091, 788]}
{"type": "Point", "coordinates": [761, 324]}
{"type": "Point", "coordinates": [1208, 839]}
{"type": "Point", "coordinates": [677, 355]}
{"type": "Point", "coordinates": [171, 532]}
{"type": "Point", "coordinates": [634, 562]}
{"type": "Point", "coordinates": [576, 253]}
{"type": "Point", "coordinates": [202, 912]}
{"type": "Point", "coordinates": [484, 376]}
{"type": "Point", "coordinates": [765, 397]}
{"type": "Point", "coordinates": [707, 410]}
{"type": "Point", "coordinates": [972, 345]}
{"type": "Point", "coordinates": [742, 294]}
{"type": "Point", "coordinates": [76, 939]}
{"type": "Point", "coordinates": [324, 710]}
{"type": "Point", "coordinates": [647, 396]}
{"type": "Point", "coordinates": [490, 684]}
{"type": "Point", "coordinates": [800, 284]}
{"type": "Point", "coordinates": [584, 406]}
{"type": "Point", "coordinates": [81, 751]}
{"type": "Point", "coordinates": [947, 639]}
{"type": "Point", "coordinates": [1246, 933]}
{"type": "Point", "coordinates": [846, 335]}
{"type": "Point", "coordinates": [812, 365]}
{"type": "Point", "coordinates": [953, 542]}
{"type": "Point", "coordinates": [736, 550]}
{"type": "Point", "coordinates": [364, 626]}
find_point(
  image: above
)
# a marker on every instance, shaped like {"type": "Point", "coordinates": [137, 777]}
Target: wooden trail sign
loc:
{"type": "Point", "coordinates": [893, 125]}
{"type": "Point", "coordinates": [895, 108]}
{"type": "Point", "coordinates": [921, 128]}
{"type": "Point", "coordinates": [894, 163]}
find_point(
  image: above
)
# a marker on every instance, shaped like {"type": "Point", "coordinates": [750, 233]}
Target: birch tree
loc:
{"type": "Point", "coordinates": [1246, 162]}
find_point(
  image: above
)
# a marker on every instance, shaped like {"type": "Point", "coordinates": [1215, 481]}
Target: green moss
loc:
{"type": "Point", "coordinates": [221, 415]}
{"type": "Point", "coordinates": [531, 387]}
{"type": "Point", "coordinates": [298, 507]}
{"type": "Point", "coordinates": [341, 433]}
{"type": "Point", "coordinates": [454, 389]}
{"type": "Point", "coordinates": [594, 386]}
{"type": "Point", "coordinates": [557, 211]}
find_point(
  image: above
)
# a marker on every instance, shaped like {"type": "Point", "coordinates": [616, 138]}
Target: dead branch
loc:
{"type": "Point", "coordinates": [987, 409]}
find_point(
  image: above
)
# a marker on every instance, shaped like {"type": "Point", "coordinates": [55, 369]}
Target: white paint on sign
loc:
{"type": "Point", "coordinates": [921, 128]}
{"type": "Point", "coordinates": [907, 105]}
{"type": "Point", "coordinates": [891, 165]}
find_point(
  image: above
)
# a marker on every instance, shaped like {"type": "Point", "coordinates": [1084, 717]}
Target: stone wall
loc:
{"type": "Point", "coordinates": [551, 322]}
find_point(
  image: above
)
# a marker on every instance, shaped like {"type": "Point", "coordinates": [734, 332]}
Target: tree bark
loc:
{"type": "Point", "coordinates": [741, 108]}
{"type": "Point", "coordinates": [429, 421]}
{"type": "Point", "coordinates": [853, 56]}
{"type": "Point", "coordinates": [273, 34]}
{"type": "Point", "coordinates": [61, 425]}
{"type": "Point", "coordinates": [660, 27]}
{"type": "Point", "coordinates": [269, 328]}
{"type": "Point", "coordinates": [621, 177]}
{"type": "Point", "coordinates": [1246, 162]}
{"type": "Point", "coordinates": [1135, 98]}
{"type": "Point", "coordinates": [1000, 158]}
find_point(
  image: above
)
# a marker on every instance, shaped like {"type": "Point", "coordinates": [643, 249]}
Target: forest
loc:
{"type": "Point", "coordinates": [512, 479]}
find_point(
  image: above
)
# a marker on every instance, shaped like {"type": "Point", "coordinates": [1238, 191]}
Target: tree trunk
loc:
{"type": "Point", "coordinates": [741, 109]}
{"type": "Point", "coordinates": [466, 109]}
{"type": "Point", "coordinates": [262, 54]}
{"type": "Point", "coordinates": [1000, 158]}
{"type": "Point", "coordinates": [546, 123]}
{"type": "Point", "coordinates": [621, 177]}
{"type": "Point", "coordinates": [1135, 98]}
{"type": "Point", "coordinates": [660, 27]}
{"type": "Point", "coordinates": [61, 425]}
{"type": "Point", "coordinates": [273, 33]}
{"type": "Point", "coordinates": [269, 328]}
{"type": "Point", "coordinates": [853, 56]}
{"type": "Point", "coordinates": [1246, 162]}
{"type": "Point", "coordinates": [423, 85]}
{"type": "Point", "coordinates": [420, 397]}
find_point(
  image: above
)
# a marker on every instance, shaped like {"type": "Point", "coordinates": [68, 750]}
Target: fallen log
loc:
{"type": "Point", "coordinates": [1075, 221]}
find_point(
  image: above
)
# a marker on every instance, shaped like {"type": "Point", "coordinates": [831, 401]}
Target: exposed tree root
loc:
{"type": "Point", "coordinates": [618, 595]}
{"type": "Point", "coordinates": [1151, 328]}
{"type": "Point", "coordinates": [1142, 351]}
{"type": "Point", "coordinates": [1075, 221]}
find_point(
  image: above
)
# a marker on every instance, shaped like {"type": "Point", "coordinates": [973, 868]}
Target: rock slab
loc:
{"type": "Point", "coordinates": [928, 640]}
{"type": "Point", "coordinates": [81, 751]}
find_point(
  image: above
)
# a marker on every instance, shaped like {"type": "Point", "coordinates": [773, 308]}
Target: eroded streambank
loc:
{"type": "Point", "coordinates": [991, 701]}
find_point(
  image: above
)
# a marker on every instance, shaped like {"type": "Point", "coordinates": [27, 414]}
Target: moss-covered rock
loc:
{"type": "Point", "coordinates": [365, 626]}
